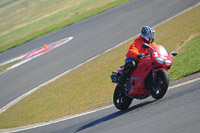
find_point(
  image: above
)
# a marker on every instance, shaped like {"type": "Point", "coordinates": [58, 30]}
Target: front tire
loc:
{"type": "Point", "coordinates": [160, 85]}
{"type": "Point", "coordinates": [120, 100]}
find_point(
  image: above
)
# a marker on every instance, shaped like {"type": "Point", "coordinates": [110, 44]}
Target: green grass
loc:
{"type": "Point", "coordinates": [89, 86]}
{"type": "Point", "coordinates": [35, 18]}
{"type": "Point", "coordinates": [188, 60]}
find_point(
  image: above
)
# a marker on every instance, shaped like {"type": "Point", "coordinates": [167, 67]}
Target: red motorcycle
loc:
{"type": "Point", "coordinates": [150, 77]}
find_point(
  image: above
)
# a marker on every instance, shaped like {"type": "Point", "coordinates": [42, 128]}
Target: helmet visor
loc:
{"type": "Point", "coordinates": [151, 36]}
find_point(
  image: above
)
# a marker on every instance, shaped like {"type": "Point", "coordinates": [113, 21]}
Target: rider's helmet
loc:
{"type": "Point", "coordinates": [148, 34]}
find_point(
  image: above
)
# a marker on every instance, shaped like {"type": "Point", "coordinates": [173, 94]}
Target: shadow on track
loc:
{"type": "Point", "coordinates": [113, 115]}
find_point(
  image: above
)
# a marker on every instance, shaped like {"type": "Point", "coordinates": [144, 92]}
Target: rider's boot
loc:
{"type": "Point", "coordinates": [122, 80]}
{"type": "Point", "coordinates": [128, 69]}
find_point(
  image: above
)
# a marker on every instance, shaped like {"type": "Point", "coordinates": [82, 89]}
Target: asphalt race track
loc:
{"type": "Point", "coordinates": [93, 36]}
{"type": "Point", "coordinates": [176, 112]}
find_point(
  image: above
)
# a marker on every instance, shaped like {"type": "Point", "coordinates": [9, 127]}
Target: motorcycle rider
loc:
{"type": "Point", "coordinates": [135, 52]}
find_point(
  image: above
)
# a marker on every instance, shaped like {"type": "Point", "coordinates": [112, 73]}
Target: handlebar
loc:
{"type": "Point", "coordinates": [141, 56]}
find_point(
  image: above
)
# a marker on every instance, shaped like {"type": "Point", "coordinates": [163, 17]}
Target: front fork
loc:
{"type": "Point", "coordinates": [154, 74]}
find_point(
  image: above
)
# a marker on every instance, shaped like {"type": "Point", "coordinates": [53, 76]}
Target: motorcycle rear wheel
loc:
{"type": "Point", "coordinates": [160, 86]}
{"type": "Point", "coordinates": [120, 100]}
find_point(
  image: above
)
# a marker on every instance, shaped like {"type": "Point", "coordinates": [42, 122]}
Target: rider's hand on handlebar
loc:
{"type": "Point", "coordinates": [140, 56]}
{"type": "Point", "coordinates": [148, 54]}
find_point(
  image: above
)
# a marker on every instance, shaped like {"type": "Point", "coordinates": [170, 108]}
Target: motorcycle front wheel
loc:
{"type": "Point", "coordinates": [120, 100]}
{"type": "Point", "coordinates": [160, 84]}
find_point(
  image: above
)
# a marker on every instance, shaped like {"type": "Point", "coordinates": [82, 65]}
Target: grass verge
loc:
{"type": "Point", "coordinates": [89, 86]}
{"type": "Point", "coordinates": [188, 60]}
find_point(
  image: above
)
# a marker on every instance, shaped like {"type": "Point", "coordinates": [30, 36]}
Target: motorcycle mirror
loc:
{"type": "Point", "coordinates": [145, 45]}
{"type": "Point", "coordinates": [174, 53]}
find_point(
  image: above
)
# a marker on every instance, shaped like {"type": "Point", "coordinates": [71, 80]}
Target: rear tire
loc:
{"type": "Point", "coordinates": [160, 85]}
{"type": "Point", "coordinates": [120, 100]}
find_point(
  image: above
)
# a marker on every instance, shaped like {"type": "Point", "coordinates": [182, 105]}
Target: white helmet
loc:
{"type": "Point", "coordinates": [148, 34]}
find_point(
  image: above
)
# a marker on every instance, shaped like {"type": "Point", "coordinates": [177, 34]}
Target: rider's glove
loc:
{"type": "Point", "coordinates": [139, 56]}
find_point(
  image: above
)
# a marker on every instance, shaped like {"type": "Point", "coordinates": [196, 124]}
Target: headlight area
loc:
{"type": "Point", "coordinates": [160, 60]}
{"type": "Point", "coordinates": [168, 62]}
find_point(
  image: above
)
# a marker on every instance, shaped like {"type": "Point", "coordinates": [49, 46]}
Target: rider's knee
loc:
{"type": "Point", "coordinates": [131, 64]}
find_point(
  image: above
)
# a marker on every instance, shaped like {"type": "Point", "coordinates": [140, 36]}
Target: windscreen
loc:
{"type": "Point", "coordinates": [160, 49]}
